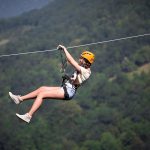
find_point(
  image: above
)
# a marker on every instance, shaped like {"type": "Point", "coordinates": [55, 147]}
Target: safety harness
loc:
{"type": "Point", "coordinates": [65, 76]}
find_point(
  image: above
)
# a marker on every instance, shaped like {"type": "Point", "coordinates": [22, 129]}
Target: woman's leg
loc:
{"type": "Point", "coordinates": [34, 94]}
{"type": "Point", "coordinates": [50, 92]}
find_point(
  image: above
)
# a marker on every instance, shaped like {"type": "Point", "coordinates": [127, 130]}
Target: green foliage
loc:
{"type": "Point", "coordinates": [142, 56]}
{"type": "Point", "coordinates": [110, 111]}
{"type": "Point", "coordinates": [108, 141]}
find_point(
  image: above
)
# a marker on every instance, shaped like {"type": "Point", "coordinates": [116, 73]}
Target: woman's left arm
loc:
{"type": "Point", "coordinates": [70, 59]}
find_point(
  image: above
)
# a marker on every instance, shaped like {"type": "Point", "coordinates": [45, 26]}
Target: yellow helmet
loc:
{"type": "Point", "coordinates": [88, 56]}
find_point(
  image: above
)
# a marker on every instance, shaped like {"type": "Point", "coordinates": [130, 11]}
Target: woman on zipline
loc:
{"type": "Point", "coordinates": [66, 91]}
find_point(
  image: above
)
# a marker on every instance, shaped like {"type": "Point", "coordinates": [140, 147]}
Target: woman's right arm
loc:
{"type": "Point", "coordinates": [70, 59]}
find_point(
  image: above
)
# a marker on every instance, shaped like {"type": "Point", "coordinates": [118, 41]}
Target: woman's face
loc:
{"type": "Point", "coordinates": [81, 61]}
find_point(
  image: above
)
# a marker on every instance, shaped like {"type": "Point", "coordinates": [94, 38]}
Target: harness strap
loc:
{"type": "Point", "coordinates": [63, 61]}
{"type": "Point", "coordinates": [65, 77]}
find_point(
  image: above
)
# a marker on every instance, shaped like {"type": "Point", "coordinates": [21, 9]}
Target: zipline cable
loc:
{"type": "Point", "coordinates": [25, 53]}
{"type": "Point", "coordinates": [71, 47]}
{"type": "Point", "coordinates": [113, 40]}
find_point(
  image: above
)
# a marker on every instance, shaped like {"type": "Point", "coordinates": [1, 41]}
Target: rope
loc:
{"type": "Point", "coordinates": [63, 62]}
{"type": "Point", "coordinates": [71, 47]}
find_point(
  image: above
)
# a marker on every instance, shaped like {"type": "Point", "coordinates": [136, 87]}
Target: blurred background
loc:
{"type": "Point", "coordinates": [12, 8]}
{"type": "Point", "coordinates": [111, 111]}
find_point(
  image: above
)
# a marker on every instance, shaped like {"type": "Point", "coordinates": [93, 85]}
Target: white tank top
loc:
{"type": "Point", "coordinates": [79, 78]}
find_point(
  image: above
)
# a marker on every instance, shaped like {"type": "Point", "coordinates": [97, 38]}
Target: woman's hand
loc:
{"type": "Point", "coordinates": [61, 47]}
{"type": "Point", "coordinates": [69, 57]}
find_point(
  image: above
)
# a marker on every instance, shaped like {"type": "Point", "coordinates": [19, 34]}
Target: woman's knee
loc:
{"type": "Point", "coordinates": [40, 95]}
{"type": "Point", "coordinates": [41, 89]}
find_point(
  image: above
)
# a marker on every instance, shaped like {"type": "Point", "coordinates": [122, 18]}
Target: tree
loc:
{"type": "Point", "coordinates": [109, 142]}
